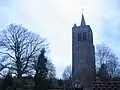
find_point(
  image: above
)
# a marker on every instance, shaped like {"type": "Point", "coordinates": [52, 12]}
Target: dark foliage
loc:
{"type": "Point", "coordinates": [7, 82]}
{"type": "Point", "coordinates": [40, 78]}
{"type": "Point", "coordinates": [60, 83]}
{"type": "Point", "coordinates": [116, 78]}
{"type": "Point", "coordinates": [50, 84]}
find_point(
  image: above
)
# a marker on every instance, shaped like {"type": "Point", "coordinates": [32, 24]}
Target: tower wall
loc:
{"type": "Point", "coordinates": [83, 55]}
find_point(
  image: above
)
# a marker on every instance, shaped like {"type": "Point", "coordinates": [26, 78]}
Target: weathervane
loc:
{"type": "Point", "coordinates": [82, 10]}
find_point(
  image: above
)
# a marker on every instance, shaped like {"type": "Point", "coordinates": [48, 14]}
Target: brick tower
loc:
{"type": "Point", "coordinates": [83, 55]}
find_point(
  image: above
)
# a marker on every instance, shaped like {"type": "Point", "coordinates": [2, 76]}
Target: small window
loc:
{"type": "Point", "coordinates": [79, 36]}
{"type": "Point", "coordinates": [84, 36]}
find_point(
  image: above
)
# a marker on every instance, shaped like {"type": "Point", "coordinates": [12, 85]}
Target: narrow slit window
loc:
{"type": "Point", "coordinates": [84, 36]}
{"type": "Point", "coordinates": [79, 36]}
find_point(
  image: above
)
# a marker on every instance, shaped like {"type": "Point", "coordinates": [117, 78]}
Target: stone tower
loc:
{"type": "Point", "coordinates": [83, 55]}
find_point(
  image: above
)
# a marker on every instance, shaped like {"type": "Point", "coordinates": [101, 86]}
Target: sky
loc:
{"type": "Point", "coordinates": [54, 19]}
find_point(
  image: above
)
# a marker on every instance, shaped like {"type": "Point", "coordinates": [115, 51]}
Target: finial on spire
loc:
{"type": "Point", "coordinates": [83, 20]}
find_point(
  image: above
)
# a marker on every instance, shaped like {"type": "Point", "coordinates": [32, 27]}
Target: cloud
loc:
{"type": "Point", "coordinates": [54, 20]}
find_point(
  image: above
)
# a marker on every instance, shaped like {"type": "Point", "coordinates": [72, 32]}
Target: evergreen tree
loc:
{"type": "Point", "coordinates": [40, 78]}
{"type": "Point", "coordinates": [7, 82]}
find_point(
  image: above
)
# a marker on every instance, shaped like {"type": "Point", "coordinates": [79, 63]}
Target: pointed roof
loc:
{"type": "Point", "coordinates": [83, 20]}
{"type": "Point", "coordinates": [75, 25]}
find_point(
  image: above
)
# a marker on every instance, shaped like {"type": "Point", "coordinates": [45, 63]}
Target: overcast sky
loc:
{"type": "Point", "coordinates": [54, 20]}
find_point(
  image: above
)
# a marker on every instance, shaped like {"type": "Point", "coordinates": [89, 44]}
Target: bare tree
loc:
{"type": "Point", "coordinates": [67, 77]}
{"type": "Point", "coordinates": [102, 73]}
{"type": "Point", "coordinates": [19, 48]}
{"type": "Point", "coordinates": [51, 70]}
{"type": "Point", "coordinates": [67, 74]}
{"type": "Point", "coordinates": [104, 55]}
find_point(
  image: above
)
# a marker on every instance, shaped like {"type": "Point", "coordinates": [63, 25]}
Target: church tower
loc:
{"type": "Point", "coordinates": [83, 54]}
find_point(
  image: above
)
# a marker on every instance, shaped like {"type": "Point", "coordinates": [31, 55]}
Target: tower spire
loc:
{"type": "Point", "coordinates": [83, 20]}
